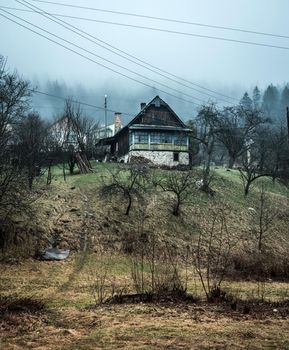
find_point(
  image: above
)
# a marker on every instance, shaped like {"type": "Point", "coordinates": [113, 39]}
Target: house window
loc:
{"type": "Point", "coordinates": [176, 156]}
{"type": "Point", "coordinates": [167, 138]}
{"type": "Point", "coordinates": [180, 140]}
{"type": "Point", "coordinates": [141, 137]}
{"type": "Point", "coordinates": [155, 138]}
{"type": "Point", "coordinates": [161, 138]}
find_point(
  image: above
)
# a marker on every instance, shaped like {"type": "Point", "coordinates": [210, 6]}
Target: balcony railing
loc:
{"type": "Point", "coordinates": [158, 147]}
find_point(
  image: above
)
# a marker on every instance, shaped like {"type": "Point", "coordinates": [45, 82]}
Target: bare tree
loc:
{"type": "Point", "coordinates": [129, 184]}
{"type": "Point", "coordinates": [180, 185]}
{"type": "Point", "coordinates": [256, 163]}
{"type": "Point", "coordinates": [61, 148]}
{"type": "Point", "coordinates": [278, 143]}
{"type": "Point", "coordinates": [156, 265]}
{"type": "Point", "coordinates": [193, 142]}
{"type": "Point", "coordinates": [206, 122]}
{"type": "Point", "coordinates": [234, 127]}
{"type": "Point", "coordinates": [14, 104]}
{"type": "Point", "coordinates": [30, 137]}
{"type": "Point", "coordinates": [263, 218]}
{"type": "Point", "coordinates": [213, 250]}
{"type": "Point", "coordinates": [79, 135]}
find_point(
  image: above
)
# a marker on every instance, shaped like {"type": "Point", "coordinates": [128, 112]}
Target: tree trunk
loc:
{"type": "Point", "coordinates": [260, 242]}
{"type": "Point", "coordinates": [176, 210]}
{"type": "Point", "coordinates": [247, 187]}
{"type": "Point", "coordinates": [231, 162]}
{"type": "Point", "coordinates": [30, 178]}
{"type": "Point", "coordinates": [129, 205]}
{"type": "Point", "coordinates": [63, 171]}
{"type": "Point", "coordinates": [71, 163]}
{"type": "Point", "coordinates": [49, 176]}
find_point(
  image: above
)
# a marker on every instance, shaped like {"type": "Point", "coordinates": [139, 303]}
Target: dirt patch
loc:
{"type": "Point", "coordinates": [165, 297]}
{"type": "Point", "coordinates": [21, 305]}
{"type": "Point", "coordinates": [236, 309]}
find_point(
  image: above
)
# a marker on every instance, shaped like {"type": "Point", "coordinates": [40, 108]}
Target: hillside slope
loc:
{"type": "Point", "coordinates": [76, 212]}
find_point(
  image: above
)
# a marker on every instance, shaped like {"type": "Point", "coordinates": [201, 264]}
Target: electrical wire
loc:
{"type": "Point", "coordinates": [67, 26]}
{"type": "Point", "coordinates": [148, 68]}
{"type": "Point", "coordinates": [143, 64]}
{"type": "Point", "coordinates": [167, 19]}
{"type": "Point", "coordinates": [88, 58]}
{"type": "Point", "coordinates": [76, 101]}
{"type": "Point", "coordinates": [185, 33]}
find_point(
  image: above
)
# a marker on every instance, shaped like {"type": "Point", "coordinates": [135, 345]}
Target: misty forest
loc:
{"type": "Point", "coordinates": [134, 218]}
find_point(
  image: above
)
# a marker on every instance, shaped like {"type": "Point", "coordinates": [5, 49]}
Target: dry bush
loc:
{"type": "Point", "coordinates": [156, 266]}
{"type": "Point", "coordinates": [272, 263]}
{"type": "Point", "coordinates": [263, 254]}
{"type": "Point", "coordinates": [212, 254]}
{"type": "Point", "coordinates": [102, 280]}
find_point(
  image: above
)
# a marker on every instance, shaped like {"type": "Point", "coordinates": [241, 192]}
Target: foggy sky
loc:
{"type": "Point", "coordinates": [229, 68]}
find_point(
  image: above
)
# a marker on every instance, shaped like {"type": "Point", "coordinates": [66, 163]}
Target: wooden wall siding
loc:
{"type": "Point", "coordinates": [123, 144]}
{"type": "Point", "coordinates": [158, 116]}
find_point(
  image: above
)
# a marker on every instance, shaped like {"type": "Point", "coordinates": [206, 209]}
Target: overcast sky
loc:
{"type": "Point", "coordinates": [226, 67]}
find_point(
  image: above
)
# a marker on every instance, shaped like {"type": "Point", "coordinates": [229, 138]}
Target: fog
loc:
{"type": "Point", "coordinates": [229, 68]}
{"type": "Point", "coordinates": [119, 99]}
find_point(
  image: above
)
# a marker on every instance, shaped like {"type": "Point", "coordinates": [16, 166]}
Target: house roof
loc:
{"type": "Point", "coordinates": [156, 101]}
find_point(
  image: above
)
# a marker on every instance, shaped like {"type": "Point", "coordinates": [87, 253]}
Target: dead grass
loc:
{"type": "Point", "coordinates": [67, 324]}
{"type": "Point", "coordinates": [146, 327]}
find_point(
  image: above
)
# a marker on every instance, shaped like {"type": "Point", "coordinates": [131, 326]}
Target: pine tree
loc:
{"type": "Point", "coordinates": [256, 98]}
{"type": "Point", "coordinates": [284, 102]}
{"type": "Point", "coordinates": [270, 103]}
{"type": "Point", "coordinates": [246, 102]}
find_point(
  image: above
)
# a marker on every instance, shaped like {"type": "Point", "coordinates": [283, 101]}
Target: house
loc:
{"type": "Point", "coordinates": [63, 135]}
{"type": "Point", "coordinates": [155, 134]}
{"type": "Point", "coordinates": [102, 151]}
{"type": "Point", "coordinates": [111, 129]}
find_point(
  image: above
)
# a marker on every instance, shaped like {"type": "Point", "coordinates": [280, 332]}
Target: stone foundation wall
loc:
{"type": "Point", "coordinates": [124, 159]}
{"type": "Point", "coordinates": [161, 157]}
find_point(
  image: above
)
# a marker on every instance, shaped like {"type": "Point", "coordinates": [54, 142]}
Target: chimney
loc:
{"type": "Point", "coordinates": [142, 105]}
{"type": "Point", "coordinates": [117, 121]}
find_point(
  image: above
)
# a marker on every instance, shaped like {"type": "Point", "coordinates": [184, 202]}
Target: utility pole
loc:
{"type": "Point", "coordinates": [105, 114]}
{"type": "Point", "coordinates": [287, 111]}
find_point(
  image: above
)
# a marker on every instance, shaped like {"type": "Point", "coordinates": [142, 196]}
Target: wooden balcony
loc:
{"type": "Point", "coordinates": [158, 147]}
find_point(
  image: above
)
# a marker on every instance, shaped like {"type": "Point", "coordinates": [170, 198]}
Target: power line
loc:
{"type": "Point", "coordinates": [253, 43]}
{"type": "Point", "coordinates": [88, 58]}
{"type": "Point", "coordinates": [53, 107]}
{"type": "Point", "coordinates": [85, 104]}
{"type": "Point", "coordinates": [74, 101]}
{"type": "Point", "coordinates": [168, 19]}
{"type": "Point", "coordinates": [134, 57]}
{"type": "Point", "coordinates": [143, 64]}
{"type": "Point", "coordinates": [66, 26]}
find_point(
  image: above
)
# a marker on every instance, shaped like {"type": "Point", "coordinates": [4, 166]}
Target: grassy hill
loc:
{"type": "Point", "coordinates": [102, 264]}
{"type": "Point", "coordinates": [77, 211]}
